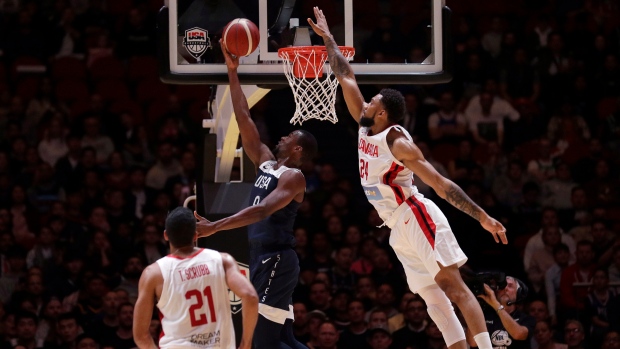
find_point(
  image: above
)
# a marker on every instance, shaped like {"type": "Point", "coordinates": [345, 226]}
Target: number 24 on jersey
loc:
{"type": "Point", "coordinates": [363, 169]}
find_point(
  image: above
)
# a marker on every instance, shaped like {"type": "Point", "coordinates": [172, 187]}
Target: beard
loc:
{"type": "Point", "coordinates": [366, 121]}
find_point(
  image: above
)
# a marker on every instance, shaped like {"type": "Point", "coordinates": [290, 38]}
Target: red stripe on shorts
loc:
{"type": "Point", "coordinates": [424, 220]}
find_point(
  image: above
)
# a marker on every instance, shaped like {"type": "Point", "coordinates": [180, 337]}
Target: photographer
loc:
{"type": "Point", "coordinates": [507, 326]}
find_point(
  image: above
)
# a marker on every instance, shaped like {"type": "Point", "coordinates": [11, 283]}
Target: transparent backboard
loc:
{"type": "Point", "coordinates": [396, 41]}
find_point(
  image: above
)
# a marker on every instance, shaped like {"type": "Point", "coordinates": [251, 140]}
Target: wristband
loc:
{"type": "Point", "coordinates": [501, 307]}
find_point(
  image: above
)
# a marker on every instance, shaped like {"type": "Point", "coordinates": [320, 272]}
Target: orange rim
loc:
{"type": "Point", "coordinates": [306, 50]}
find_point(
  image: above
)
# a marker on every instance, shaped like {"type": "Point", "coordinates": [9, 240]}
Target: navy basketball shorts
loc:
{"type": "Point", "coordinates": [274, 276]}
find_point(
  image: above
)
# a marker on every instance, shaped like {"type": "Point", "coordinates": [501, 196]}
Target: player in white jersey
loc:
{"type": "Point", "coordinates": [190, 288]}
{"type": "Point", "coordinates": [421, 235]}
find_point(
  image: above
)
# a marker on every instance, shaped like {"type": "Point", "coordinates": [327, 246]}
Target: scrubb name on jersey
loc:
{"type": "Point", "coordinates": [194, 272]}
{"type": "Point", "coordinates": [262, 182]}
{"type": "Point", "coordinates": [368, 148]}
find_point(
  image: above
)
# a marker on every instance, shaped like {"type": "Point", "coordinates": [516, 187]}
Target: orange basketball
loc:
{"type": "Point", "coordinates": [241, 37]}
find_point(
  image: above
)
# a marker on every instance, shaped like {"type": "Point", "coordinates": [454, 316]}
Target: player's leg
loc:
{"type": "Point", "coordinates": [450, 281]}
{"type": "Point", "coordinates": [274, 284]}
{"type": "Point", "coordinates": [288, 338]}
{"type": "Point", "coordinates": [422, 244]}
{"type": "Point", "coordinates": [414, 249]}
{"type": "Point", "coordinates": [441, 311]}
{"type": "Point", "coordinates": [286, 335]}
{"type": "Point", "coordinates": [266, 333]}
{"type": "Point", "coordinates": [443, 265]}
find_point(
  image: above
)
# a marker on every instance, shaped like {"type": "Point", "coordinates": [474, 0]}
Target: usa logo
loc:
{"type": "Point", "coordinates": [196, 41]}
{"type": "Point", "coordinates": [235, 301]}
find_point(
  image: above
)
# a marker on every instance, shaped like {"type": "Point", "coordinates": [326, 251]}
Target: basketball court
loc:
{"type": "Point", "coordinates": [287, 61]}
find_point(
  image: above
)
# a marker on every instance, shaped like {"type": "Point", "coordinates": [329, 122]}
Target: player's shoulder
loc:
{"type": "Point", "coordinates": [226, 257]}
{"type": "Point", "coordinates": [398, 133]}
{"type": "Point", "coordinates": [293, 175]}
{"type": "Point", "coordinates": [227, 260]}
{"type": "Point", "coordinates": [152, 273]}
{"type": "Point", "coordinates": [282, 172]}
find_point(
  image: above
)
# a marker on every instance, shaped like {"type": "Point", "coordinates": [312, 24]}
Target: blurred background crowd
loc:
{"type": "Point", "coordinates": [94, 151]}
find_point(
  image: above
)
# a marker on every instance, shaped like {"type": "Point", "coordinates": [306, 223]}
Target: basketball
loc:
{"type": "Point", "coordinates": [241, 37]}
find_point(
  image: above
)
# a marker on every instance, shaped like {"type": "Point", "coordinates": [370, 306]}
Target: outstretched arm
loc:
{"type": "Point", "coordinates": [290, 186]}
{"type": "Point", "coordinates": [250, 139]}
{"type": "Point", "coordinates": [340, 66]}
{"type": "Point", "coordinates": [143, 310]}
{"type": "Point", "coordinates": [240, 285]}
{"type": "Point", "coordinates": [410, 155]}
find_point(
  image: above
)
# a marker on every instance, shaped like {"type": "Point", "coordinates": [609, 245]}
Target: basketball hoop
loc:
{"type": "Point", "coordinates": [315, 95]}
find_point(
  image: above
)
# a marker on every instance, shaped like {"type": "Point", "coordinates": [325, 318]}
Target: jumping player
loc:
{"type": "Point", "coordinates": [278, 191]}
{"type": "Point", "coordinates": [421, 235]}
{"type": "Point", "coordinates": [190, 288]}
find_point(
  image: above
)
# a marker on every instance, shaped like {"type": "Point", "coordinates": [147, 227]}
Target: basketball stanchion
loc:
{"type": "Point", "coordinates": [314, 90]}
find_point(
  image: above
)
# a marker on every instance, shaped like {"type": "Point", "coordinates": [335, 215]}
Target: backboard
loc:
{"type": "Point", "coordinates": [396, 41]}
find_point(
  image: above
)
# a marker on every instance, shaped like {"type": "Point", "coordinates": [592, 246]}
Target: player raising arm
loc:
{"type": "Point", "coordinates": [421, 235]}
{"type": "Point", "coordinates": [277, 194]}
{"type": "Point", "coordinates": [190, 288]}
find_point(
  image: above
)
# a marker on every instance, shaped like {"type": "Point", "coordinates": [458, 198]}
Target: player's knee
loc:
{"type": "Point", "coordinates": [454, 291]}
{"type": "Point", "coordinates": [444, 317]}
{"type": "Point", "coordinates": [440, 309]}
{"type": "Point", "coordinates": [439, 317]}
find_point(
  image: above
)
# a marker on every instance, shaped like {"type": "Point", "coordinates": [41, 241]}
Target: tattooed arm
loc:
{"type": "Point", "coordinates": [340, 66]}
{"type": "Point", "coordinates": [410, 155]}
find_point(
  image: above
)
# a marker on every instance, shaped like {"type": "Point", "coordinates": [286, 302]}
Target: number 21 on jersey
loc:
{"type": "Point", "coordinates": [200, 318]}
{"type": "Point", "coordinates": [363, 169]}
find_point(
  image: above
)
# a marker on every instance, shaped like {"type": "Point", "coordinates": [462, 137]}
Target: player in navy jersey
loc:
{"type": "Point", "coordinates": [278, 191]}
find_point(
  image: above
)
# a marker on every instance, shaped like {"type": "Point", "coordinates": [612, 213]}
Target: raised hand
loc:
{"type": "Point", "coordinates": [204, 227]}
{"type": "Point", "coordinates": [320, 27]}
{"type": "Point", "coordinates": [489, 297]}
{"type": "Point", "coordinates": [496, 229]}
{"type": "Point", "coordinates": [232, 62]}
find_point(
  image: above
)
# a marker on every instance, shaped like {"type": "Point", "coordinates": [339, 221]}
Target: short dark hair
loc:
{"type": "Point", "coordinates": [84, 336]}
{"type": "Point", "coordinates": [599, 221]}
{"type": "Point", "coordinates": [319, 282]}
{"type": "Point", "coordinates": [181, 227]}
{"type": "Point", "coordinates": [560, 247]}
{"type": "Point", "coordinates": [123, 305]}
{"type": "Point", "coordinates": [308, 144]}
{"type": "Point", "coordinates": [416, 299]}
{"type": "Point", "coordinates": [24, 314]}
{"type": "Point", "coordinates": [90, 149]}
{"type": "Point", "coordinates": [357, 300]}
{"type": "Point", "coordinates": [394, 104]}
{"type": "Point", "coordinates": [67, 316]}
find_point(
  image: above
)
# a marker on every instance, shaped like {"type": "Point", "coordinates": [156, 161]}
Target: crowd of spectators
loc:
{"type": "Point", "coordinates": [94, 151]}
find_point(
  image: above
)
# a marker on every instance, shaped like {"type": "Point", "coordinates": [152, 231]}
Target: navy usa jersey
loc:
{"type": "Point", "coordinates": [275, 231]}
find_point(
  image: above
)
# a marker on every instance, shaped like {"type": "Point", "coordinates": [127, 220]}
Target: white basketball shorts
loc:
{"type": "Point", "coordinates": [421, 237]}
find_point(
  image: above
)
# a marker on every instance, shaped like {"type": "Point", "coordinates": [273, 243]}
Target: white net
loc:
{"type": "Point", "coordinates": [313, 84]}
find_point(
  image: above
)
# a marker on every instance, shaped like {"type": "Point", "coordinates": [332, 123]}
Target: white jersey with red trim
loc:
{"type": "Point", "coordinates": [194, 304]}
{"type": "Point", "coordinates": [386, 181]}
